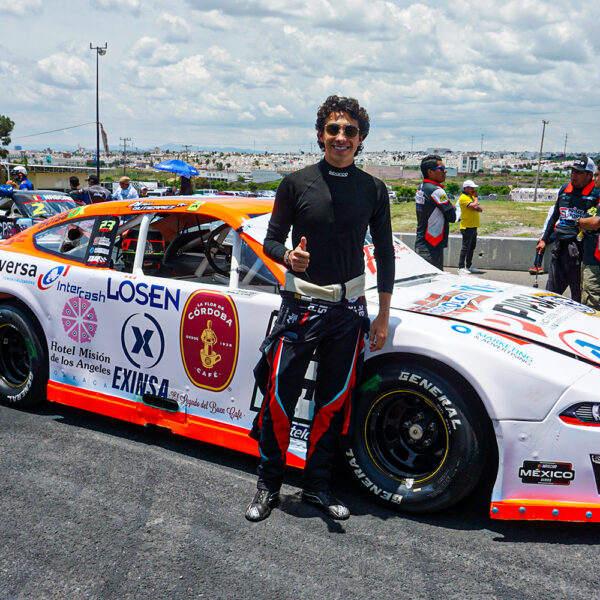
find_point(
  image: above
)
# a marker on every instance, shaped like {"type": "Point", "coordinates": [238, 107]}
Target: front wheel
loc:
{"type": "Point", "coordinates": [417, 443]}
{"type": "Point", "coordinates": [23, 358]}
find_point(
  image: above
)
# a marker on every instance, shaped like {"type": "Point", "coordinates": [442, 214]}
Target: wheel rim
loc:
{"type": "Point", "coordinates": [15, 364]}
{"type": "Point", "coordinates": [406, 436]}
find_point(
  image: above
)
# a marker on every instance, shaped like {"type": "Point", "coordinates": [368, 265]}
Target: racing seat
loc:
{"type": "Point", "coordinates": [153, 252]}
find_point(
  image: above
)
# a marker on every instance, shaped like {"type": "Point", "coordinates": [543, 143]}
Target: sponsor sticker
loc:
{"type": "Point", "coordinates": [581, 343]}
{"type": "Point", "coordinates": [209, 338]}
{"type": "Point", "coordinates": [546, 473]}
{"type": "Point", "coordinates": [449, 303]}
{"type": "Point", "coordinates": [136, 206]}
{"type": "Point", "coordinates": [196, 205]}
{"type": "Point", "coordinates": [79, 320]}
{"type": "Point", "coordinates": [142, 340]}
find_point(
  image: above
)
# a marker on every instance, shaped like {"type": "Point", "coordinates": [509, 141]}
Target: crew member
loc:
{"type": "Point", "coordinates": [95, 192]}
{"type": "Point", "coordinates": [20, 174]}
{"type": "Point", "coordinates": [469, 222]}
{"type": "Point", "coordinates": [328, 207]}
{"type": "Point", "coordinates": [434, 212]}
{"type": "Point", "coordinates": [125, 190]}
{"type": "Point", "coordinates": [75, 192]}
{"type": "Point", "coordinates": [572, 203]}
{"type": "Point", "coordinates": [590, 292]}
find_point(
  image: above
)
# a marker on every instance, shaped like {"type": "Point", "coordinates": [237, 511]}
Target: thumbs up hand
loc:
{"type": "Point", "coordinates": [299, 257]}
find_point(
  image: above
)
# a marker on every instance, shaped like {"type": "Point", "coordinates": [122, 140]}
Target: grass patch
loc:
{"type": "Point", "coordinates": [497, 217]}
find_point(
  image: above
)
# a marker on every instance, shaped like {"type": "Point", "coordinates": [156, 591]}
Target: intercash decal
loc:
{"type": "Point", "coordinates": [47, 280]}
{"type": "Point", "coordinates": [155, 296]}
{"type": "Point", "coordinates": [209, 339]}
{"type": "Point", "coordinates": [546, 473]}
{"type": "Point", "coordinates": [79, 320]}
{"type": "Point", "coordinates": [450, 303]}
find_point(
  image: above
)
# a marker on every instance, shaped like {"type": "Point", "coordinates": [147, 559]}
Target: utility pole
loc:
{"type": "Point", "coordinates": [565, 150]}
{"type": "Point", "coordinates": [125, 140]}
{"type": "Point", "coordinates": [537, 177]}
{"type": "Point", "coordinates": [412, 139]}
{"type": "Point", "coordinates": [100, 51]}
{"type": "Point", "coordinates": [186, 146]}
{"type": "Point", "coordinates": [481, 151]}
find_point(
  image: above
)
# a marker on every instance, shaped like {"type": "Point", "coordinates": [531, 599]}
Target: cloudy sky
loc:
{"type": "Point", "coordinates": [251, 73]}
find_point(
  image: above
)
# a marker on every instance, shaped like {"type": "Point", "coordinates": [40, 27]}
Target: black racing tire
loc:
{"type": "Point", "coordinates": [23, 358]}
{"type": "Point", "coordinates": [417, 444]}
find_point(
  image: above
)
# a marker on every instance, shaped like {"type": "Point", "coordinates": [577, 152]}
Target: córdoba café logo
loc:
{"type": "Point", "coordinates": [209, 338]}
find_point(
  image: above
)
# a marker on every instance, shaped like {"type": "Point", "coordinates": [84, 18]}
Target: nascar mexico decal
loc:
{"type": "Point", "coordinates": [209, 339]}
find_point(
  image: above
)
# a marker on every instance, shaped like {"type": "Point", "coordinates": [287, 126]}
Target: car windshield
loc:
{"type": "Point", "coordinates": [409, 265]}
{"type": "Point", "coordinates": [44, 206]}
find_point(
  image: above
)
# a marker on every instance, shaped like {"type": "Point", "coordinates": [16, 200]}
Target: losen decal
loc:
{"type": "Point", "coordinates": [209, 338]}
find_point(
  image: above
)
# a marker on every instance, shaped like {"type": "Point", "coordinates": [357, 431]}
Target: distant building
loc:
{"type": "Point", "coordinates": [439, 151]}
{"type": "Point", "coordinates": [385, 171]}
{"type": "Point", "coordinates": [528, 194]}
{"type": "Point", "coordinates": [469, 163]}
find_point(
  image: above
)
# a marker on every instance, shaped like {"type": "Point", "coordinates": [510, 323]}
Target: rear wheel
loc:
{"type": "Point", "coordinates": [418, 443]}
{"type": "Point", "coordinates": [23, 358]}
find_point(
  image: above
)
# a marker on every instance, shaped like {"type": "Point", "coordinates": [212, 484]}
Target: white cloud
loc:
{"type": "Point", "coordinates": [20, 7]}
{"type": "Point", "coordinates": [64, 71]}
{"type": "Point", "coordinates": [177, 28]}
{"type": "Point", "coordinates": [132, 6]}
{"type": "Point", "coordinates": [274, 112]}
{"type": "Point", "coordinates": [151, 51]}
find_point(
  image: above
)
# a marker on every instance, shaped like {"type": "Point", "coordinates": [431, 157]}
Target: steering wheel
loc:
{"type": "Point", "coordinates": [217, 252]}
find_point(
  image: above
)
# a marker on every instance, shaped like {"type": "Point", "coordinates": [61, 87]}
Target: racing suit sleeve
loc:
{"type": "Point", "coordinates": [551, 223]}
{"type": "Point", "coordinates": [380, 226]}
{"type": "Point", "coordinates": [280, 223]}
{"type": "Point", "coordinates": [442, 202]}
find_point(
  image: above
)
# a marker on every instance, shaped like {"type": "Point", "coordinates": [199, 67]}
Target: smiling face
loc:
{"type": "Point", "coordinates": [340, 148]}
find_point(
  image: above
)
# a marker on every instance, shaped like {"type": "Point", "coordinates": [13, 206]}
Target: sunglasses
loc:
{"type": "Point", "coordinates": [440, 168]}
{"type": "Point", "coordinates": [349, 131]}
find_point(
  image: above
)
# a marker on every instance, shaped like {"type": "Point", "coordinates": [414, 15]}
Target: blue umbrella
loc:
{"type": "Point", "coordinates": [179, 167]}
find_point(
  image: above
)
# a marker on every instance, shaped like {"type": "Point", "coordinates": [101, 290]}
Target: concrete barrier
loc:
{"type": "Point", "coordinates": [492, 252]}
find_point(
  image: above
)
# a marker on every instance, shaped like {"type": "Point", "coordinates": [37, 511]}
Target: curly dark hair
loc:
{"type": "Point", "coordinates": [335, 104]}
{"type": "Point", "coordinates": [429, 162]}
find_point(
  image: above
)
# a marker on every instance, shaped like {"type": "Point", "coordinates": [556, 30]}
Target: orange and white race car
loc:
{"type": "Point", "coordinates": [153, 311]}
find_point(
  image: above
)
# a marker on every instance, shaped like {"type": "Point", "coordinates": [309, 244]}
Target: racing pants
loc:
{"type": "Point", "coordinates": [565, 268]}
{"type": "Point", "coordinates": [334, 334]}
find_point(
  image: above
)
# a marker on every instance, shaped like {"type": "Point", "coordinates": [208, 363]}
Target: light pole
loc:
{"type": "Point", "coordinates": [100, 51]}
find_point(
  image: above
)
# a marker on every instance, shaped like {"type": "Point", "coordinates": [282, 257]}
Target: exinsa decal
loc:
{"type": "Point", "coordinates": [209, 337]}
{"type": "Point", "coordinates": [139, 383]}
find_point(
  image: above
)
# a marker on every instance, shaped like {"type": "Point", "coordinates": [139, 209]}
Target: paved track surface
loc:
{"type": "Point", "coordinates": [94, 508]}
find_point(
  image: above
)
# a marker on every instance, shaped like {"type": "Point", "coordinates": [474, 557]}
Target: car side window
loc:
{"type": "Point", "coordinates": [70, 239]}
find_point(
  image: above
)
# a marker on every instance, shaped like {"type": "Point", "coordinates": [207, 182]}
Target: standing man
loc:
{"type": "Point", "coordinates": [573, 201]}
{"type": "Point", "coordinates": [434, 212]}
{"type": "Point", "coordinates": [469, 222]}
{"type": "Point", "coordinates": [328, 207]}
{"type": "Point", "coordinates": [590, 293]}
{"type": "Point", "coordinates": [75, 192]}
{"type": "Point", "coordinates": [20, 174]}
{"type": "Point", "coordinates": [125, 191]}
{"type": "Point", "coordinates": [95, 192]}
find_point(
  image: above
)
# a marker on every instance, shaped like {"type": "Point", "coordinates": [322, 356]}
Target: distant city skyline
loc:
{"type": "Point", "coordinates": [250, 74]}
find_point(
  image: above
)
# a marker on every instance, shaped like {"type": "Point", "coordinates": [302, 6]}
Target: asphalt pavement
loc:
{"type": "Point", "coordinates": [91, 507]}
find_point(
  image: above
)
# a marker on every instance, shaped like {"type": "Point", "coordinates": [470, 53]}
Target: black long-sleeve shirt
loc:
{"type": "Point", "coordinates": [332, 208]}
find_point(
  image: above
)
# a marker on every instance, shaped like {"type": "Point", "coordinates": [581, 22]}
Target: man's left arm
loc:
{"type": "Point", "coordinates": [381, 233]}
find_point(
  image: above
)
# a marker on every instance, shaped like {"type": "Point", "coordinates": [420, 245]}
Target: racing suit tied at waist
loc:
{"type": "Point", "coordinates": [335, 292]}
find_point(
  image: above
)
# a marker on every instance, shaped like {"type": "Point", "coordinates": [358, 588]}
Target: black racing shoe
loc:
{"type": "Point", "coordinates": [261, 505]}
{"type": "Point", "coordinates": [325, 500]}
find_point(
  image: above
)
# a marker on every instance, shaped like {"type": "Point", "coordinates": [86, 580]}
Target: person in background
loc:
{"type": "Point", "coordinates": [434, 212]}
{"type": "Point", "coordinates": [590, 224]}
{"type": "Point", "coordinates": [20, 174]}
{"type": "Point", "coordinates": [573, 201]}
{"type": "Point", "coordinates": [75, 192]}
{"type": "Point", "coordinates": [539, 256]}
{"type": "Point", "coordinates": [469, 222]}
{"type": "Point", "coordinates": [143, 192]}
{"type": "Point", "coordinates": [95, 192]}
{"type": "Point", "coordinates": [185, 188]}
{"type": "Point", "coordinates": [125, 191]}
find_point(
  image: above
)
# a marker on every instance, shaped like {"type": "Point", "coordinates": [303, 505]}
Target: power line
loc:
{"type": "Point", "coordinates": [20, 137]}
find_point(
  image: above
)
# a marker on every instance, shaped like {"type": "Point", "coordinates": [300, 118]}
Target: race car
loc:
{"type": "Point", "coordinates": [19, 209]}
{"type": "Point", "coordinates": [153, 310]}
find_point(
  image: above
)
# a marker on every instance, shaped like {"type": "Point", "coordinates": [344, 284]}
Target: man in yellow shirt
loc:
{"type": "Point", "coordinates": [469, 222]}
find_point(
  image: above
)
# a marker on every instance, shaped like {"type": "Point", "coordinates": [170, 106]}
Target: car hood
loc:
{"type": "Point", "coordinates": [517, 311]}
